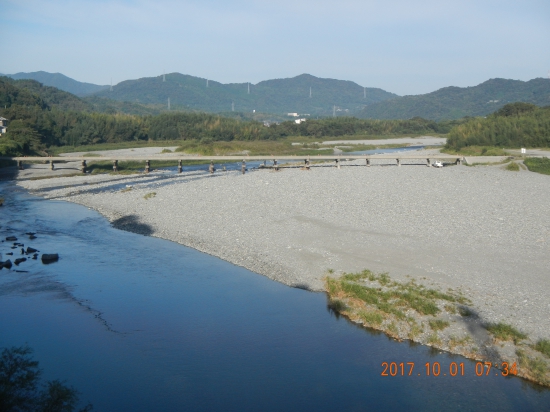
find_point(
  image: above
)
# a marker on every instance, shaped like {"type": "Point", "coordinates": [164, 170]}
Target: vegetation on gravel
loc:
{"type": "Point", "coordinates": [512, 166]}
{"type": "Point", "coordinates": [503, 331]}
{"type": "Point", "coordinates": [538, 164]}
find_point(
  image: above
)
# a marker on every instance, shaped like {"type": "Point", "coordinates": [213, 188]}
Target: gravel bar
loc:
{"type": "Point", "coordinates": [481, 229]}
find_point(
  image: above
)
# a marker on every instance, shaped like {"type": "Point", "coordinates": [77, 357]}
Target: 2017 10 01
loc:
{"type": "Point", "coordinates": [455, 369]}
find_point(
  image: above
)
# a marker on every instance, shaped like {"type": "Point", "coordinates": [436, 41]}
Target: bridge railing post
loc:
{"type": "Point", "coordinates": [275, 165]}
{"type": "Point", "coordinates": [428, 163]}
{"type": "Point", "coordinates": [211, 168]}
{"type": "Point", "coordinates": [51, 165]}
{"type": "Point", "coordinates": [115, 166]}
{"type": "Point", "coordinates": [398, 162]}
{"type": "Point", "coordinates": [147, 166]}
{"type": "Point", "coordinates": [20, 164]}
{"type": "Point", "coordinates": [368, 162]}
{"type": "Point", "coordinates": [180, 166]}
{"type": "Point", "coordinates": [338, 163]}
{"type": "Point", "coordinates": [83, 166]}
{"type": "Point", "coordinates": [243, 167]}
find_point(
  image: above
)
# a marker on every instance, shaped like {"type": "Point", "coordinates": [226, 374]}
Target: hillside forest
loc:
{"type": "Point", "coordinates": [42, 117]}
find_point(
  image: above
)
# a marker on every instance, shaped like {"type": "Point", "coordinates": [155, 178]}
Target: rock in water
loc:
{"type": "Point", "coordinates": [31, 250]}
{"type": "Point", "coordinates": [50, 258]}
{"type": "Point", "coordinates": [11, 238]}
{"type": "Point", "coordinates": [20, 260]}
{"type": "Point", "coordinates": [31, 237]}
{"type": "Point", "coordinates": [7, 264]}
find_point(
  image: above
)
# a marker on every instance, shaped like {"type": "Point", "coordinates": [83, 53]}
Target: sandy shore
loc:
{"type": "Point", "coordinates": [482, 229]}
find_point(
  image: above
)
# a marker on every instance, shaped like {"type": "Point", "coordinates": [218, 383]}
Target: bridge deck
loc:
{"type": "Point", "coordinates": [236, 158]}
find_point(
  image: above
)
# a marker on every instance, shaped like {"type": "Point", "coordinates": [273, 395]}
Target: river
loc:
{"type": "Point", "coordinates": [139, 323]}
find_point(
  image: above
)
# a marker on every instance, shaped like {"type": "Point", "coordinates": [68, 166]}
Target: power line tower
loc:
{"type": "Point", "coordinates": [310, 92]}
{"type": "Point", "coordinates": [206, 82]}
{"type": "Point", "coordinates": [168, 103]}
{"type": "Point", "coordinates": [232, 106]}
{"type": "Point", "coordinates": [163, 77]}
{"type": "Point", "coordinates": [248, 87]}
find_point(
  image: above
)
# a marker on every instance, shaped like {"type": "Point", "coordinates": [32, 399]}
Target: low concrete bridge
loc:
{"type": "Point", "coordinates": [225, 159]}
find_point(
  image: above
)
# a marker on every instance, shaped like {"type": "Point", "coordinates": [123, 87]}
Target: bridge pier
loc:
{"type": "Point", "coordinates": [211, 168]}
{"type": "Point", "coordinates": [20, 164]}
{"type": "Point", "coordinates": [115, 166]}
{"type": "Point", "coordinates": [83, 166]}
{"type": "Point", "coordinates": [458, 161]}
{"type": "Point", "coordinates": [306, 161]}
{"type": "Point", "coordinates": [243, 167]}
{"type": "Point", "coordinates": [51, 165]}
{"type": "Point", "coordinates": [275, 165]}
{"type": "Point", "coordinates": [147, 166]}
{"type": "Point", "coordinates": [180, 166]}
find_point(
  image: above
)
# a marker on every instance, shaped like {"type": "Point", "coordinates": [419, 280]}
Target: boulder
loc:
{"type": "Point", "coordinates": [20, 260]}
{"type": "Point", "coordinates": [31, 250]}
{"type": "Point", "coordinates": [11, 238]}
{"type": "Point", "coordinates": [50, 258]}
{"type": "Point", "coordinates": [31, 237]}
{"type": "Point", "coordinates": [7, 264]}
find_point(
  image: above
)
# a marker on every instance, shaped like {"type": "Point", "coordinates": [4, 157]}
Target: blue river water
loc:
{"type": "Point", "coordinates": [137, 323]}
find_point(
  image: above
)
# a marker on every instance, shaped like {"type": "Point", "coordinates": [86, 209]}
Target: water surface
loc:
{"type": "Point", "coordinates": [139, 323]}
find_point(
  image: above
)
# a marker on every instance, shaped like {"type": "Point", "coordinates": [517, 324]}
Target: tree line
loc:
{"type": "Point", "coordinates": [514, 125]}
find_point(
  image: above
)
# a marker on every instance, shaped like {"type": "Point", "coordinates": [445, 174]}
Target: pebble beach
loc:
{"type": "Point", "coordinates": [482, 230]}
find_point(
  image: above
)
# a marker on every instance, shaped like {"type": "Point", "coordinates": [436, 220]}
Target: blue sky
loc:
{"type": "Point", "coordinates": [405, 47]}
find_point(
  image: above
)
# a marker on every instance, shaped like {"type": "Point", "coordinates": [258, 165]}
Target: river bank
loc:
{"type": "Point", "coordinates": [478, 230]}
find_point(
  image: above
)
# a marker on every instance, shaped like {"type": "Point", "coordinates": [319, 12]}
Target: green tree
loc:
{"type": "Point", "coordinates": [19, 386]}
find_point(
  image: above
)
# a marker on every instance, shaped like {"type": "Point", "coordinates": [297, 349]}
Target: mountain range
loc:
{"type": "Point", "coordinates": [303, 94]}
{"type": "Point", "coordinates": [457, 102]}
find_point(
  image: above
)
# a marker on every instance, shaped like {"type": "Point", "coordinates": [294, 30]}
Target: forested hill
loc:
{"type": "Point", "coordinates": [457, 102]}
{"type": "Point", "coordinates": [61, 82]}
{"type": "Point", "coordinates": [278, 96]}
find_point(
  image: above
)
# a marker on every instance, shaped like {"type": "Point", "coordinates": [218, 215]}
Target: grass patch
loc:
{"type": "Point", "coordinates": [538, 165]}
{"type": "Point", "coordinates": [90, 154]}
{"type": "Point", "coordinates": [536, 366]}
{"type": "Point", "coordinates": [149, 195]}
{"type": "Point", "coordinates": [503, 331]}
{"type": "Point", "coordinates": [126, 189]}
{"type": "Point", "coordinates": [476, 151]}
{"type": "Point", "coordinates": [438, 324]}
{"type": "Point", "coordinates": [388, 296]}
{"type": "Point", "coordinates": [433, 339]}
{"type": "Point", "coordinates": [451, 308]}
{"type": "Point", "coordinates": [543, 346]}
{"type": "Point", "coordinates": [371, 318]}
{"type": "Point", "coordinates": [166, 151]}
{"type": "Point", "coordinates": [512, 166]}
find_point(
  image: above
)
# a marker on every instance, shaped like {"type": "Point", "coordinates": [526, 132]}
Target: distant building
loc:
{"type": "Point", "coordinates": [298, 121]}
{"type": "Point", "coordinates": [3, 125]}
{"type": "Point", "coordinates": [293, 114]}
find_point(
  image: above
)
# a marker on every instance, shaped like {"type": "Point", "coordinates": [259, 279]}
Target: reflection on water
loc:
{"type": "Point", "coordinates": [139, 323]}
